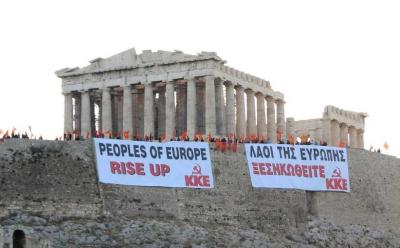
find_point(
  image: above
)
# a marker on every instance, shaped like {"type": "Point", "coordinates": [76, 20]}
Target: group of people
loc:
{"type": "Point", "coordinates": [14, 135]}
{"type": "Point", "coordinates": [198, 138]}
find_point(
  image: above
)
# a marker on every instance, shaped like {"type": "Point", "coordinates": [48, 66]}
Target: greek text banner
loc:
{"type": "Point", "coordinates": [171, 164]}
{"type": "Point", "coordinates": [315, 168]}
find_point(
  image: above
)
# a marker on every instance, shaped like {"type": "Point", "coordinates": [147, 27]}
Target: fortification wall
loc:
{"type": "Point", "coordinates": [375, 193]}
{"type": "Point", "coordinates": [49, 189]}
{"type": "Point", "coordinates": [49, 178]}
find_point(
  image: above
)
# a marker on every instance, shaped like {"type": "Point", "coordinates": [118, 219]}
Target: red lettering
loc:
{"type": "Point", "coordinates": [157, 170]}
{"type": "Point", "coordinates": [197, 180]}
{"type": "Point", "coordinates": [297, 170]}
{"type": "Point", "coordinates": [189, 180]}
{"type": "Point", "coordinates": [262, 168]}
{"type": "Point", "coordinates": [269, 172]}
{"type": "Point", "coordinates": [304, 169]}
{"type": "Point", "coordinates": [164, 169]}
{"type": "Point", "coordinates": [255, 168]}
{"type": "Point", "coordinates": [321, 171]}
{"type": "Point", "coordinates": [206, 181]}
{"type": "Point", "coordinates": [336, 183]}
{"type": "Point", "coordinates": [130, 168]}
{"type": "Point", "coordinates": [123, 170]}
{"type": "Point", "coordinates": [140, 169]}
{"type": "Point", "coordinates": [115, 167]}
{"type": "Point", "coordinates": [276, 169]}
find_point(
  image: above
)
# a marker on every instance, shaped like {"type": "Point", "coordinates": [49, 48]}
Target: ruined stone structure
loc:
{"type": "Point", "coordinates": [50, 197]}
{"type": "Point", "coordinates": [336, 126]}
{"type": "Point", "coordinates": [166, 93]}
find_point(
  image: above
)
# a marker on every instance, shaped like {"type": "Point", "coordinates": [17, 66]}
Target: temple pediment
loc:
{"type": "Point", "coordinates": [130, 59]}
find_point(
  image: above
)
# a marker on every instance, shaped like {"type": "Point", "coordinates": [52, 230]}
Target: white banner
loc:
{"type": "Point", "coordinates": [171, 164]}
{"type": "Point", "coordinates": [317, 168]}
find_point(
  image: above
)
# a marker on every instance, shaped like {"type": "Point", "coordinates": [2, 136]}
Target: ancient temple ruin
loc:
{"type": "Point", "coordinates": [167, 93]}
{"type": "Point", "coordinates": [337, 126]}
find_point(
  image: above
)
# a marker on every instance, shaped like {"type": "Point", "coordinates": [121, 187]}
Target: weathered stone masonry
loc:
{"type": "Point", "coordinates": [55, 184]}
{"type": "Point", "coordinates": [193, 93]}
{"type": "Point", "coordinates": [335, 127]}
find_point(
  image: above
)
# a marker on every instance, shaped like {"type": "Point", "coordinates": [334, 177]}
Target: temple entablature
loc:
{"type": "Point", "coordinates": [157, 66]}
{"type": "Point", "coordinates": [350, 118]}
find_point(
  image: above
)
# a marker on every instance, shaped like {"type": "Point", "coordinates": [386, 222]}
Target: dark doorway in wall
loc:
{"type": "Point", "coordinates": [19, 240]}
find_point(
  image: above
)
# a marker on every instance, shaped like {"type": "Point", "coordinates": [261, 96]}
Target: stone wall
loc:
{"type": "Point", "coordinates": [374, 199]}
{"type": "Point", "coordinates": [54, 179]}
{"type": "Point", "coordinates": [49, 190]}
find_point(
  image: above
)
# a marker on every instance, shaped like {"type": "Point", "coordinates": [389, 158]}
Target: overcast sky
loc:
{"type": "Point", "coordinates": [342, 53]}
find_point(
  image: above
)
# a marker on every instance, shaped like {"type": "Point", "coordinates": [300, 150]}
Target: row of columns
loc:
{"type": "Point", "coordinates": [336, 133]}
{"type": "Point", "coordinates": [224, 111]}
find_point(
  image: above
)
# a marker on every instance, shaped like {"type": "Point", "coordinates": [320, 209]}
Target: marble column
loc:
{"type": "Point", "coordinates": [280, 118]}
{"type": "Point", "coordinates": [220, 108]}
{"type": "Point", "coordinates": [106, 113]}
{"type": "Point", "coordinates": [85, 116]}
{"type": "Point", "coordinates": [170, 110]}
{"type": "Point", "coordinates": [148, 110]}
{"type": "Point", "coordinates": [271, 122]}
{"type": "Point", "coordinates": [230, 109]}
{"type": "Point", "coordinates": [138, 114]}
{"type": "Point", "coordinates": [251, 114]}
{"type": "Point", "coordinates": [99, 118]}
{"type": "Point", "coordinates": [240, 113]}
{"type": "Point", "coordinates": [360, 138]}
{"type": "Point", "coordinates": [161, 111]}
{"type": "Point", "coordinates": [326, 131]}
{"type": "Point", "coordinates": [289, 127]}
{"type": "Point", "coordinates": [344, 133]}
{"type": "Point", "coordinates": [261, 121]}
{"type": "Point", "coordinates": [78, 113]}
{"type": "Point", "coordinates": [127, 116]}
{"type": "Point", "coordinates": [335, 133]}
{"type": "Point", "coordinates": [68, 113]}
{"type": "Point", "coordinates": [180, 107]}
{"type": "Point", "coordinates": [353, 137]}
{"type": "Point", "coordinates": [92, 114]}
{"type": "Point", "coordinates": [209, 98]}
{"type": "Point", "coordinates": [191, 108]}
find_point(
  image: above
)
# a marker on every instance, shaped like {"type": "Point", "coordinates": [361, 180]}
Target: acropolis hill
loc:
{"type": "Point", "coordinates": [49, 190]}
{"type": "Point", "coordinates": [51, 195]}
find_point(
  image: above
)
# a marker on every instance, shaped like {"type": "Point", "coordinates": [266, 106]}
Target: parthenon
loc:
{"type": "Point", "coordinates": [167, 93]}
{"type": "Point", "coordinates": [335, 127]}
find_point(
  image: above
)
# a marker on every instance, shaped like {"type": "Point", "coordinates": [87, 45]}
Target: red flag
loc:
{"type": "Point", "coordinates": [217, 144]}
{"type": "Point", "coordinates": [292, 140]}
{"type": "Point", "coordinates": [184, 135]}
{"type": "Point", "coordinates": [342, 144]}
{"type": "Point", "coordinates": [386, 146]}
{"type": "Point", "coordinates": [234, 147]}
{"type": "Point", "coordinates": [126, 134]}
{"type": "Point", "coordinates": [223, 148]}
